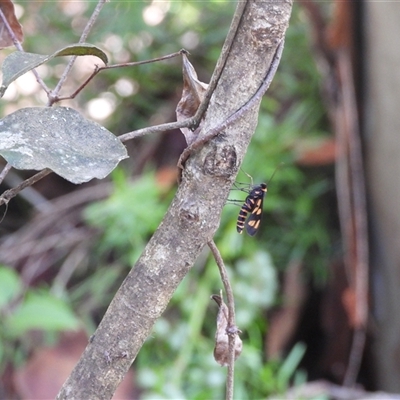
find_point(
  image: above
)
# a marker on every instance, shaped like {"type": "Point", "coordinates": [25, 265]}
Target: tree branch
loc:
{"type": "Point", "coordinates": [194, 215]}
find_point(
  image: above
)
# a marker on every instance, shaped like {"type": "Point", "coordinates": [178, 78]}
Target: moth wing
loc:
{"type": "Point", "coordinates": [254, 219]}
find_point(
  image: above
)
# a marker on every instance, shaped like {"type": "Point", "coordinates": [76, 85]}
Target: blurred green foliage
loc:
{"type": "Point", "coordinates": [23, 311]}
{"type": "Point", "coordinates": [134, 209]}
{"type": "Point", "coordinates": [299, 221]}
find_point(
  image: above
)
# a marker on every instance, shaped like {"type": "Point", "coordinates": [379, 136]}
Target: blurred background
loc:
{"type": "Point", "coordinates": [316, 290]}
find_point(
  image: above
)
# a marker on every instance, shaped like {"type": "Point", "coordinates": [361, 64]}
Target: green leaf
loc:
{"type": "Point", "coordinates": [10, 285]}
{"type": "Point", "coordinates": [61, 139]}
{"type": "Point", "coordinates": [18, 63]}
{"type": "Point", "coordinates": [81, 49]}
{"type": "Point", "coordinates": [128, 216]}
{"type": "Point", "coordinates": [290, 365]}
{"type": "Point", "coordinates": [41, 310]}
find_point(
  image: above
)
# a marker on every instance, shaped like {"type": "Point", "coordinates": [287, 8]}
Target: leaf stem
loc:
{"type": "Point", "coordinates": [169, 126]}
{"type": "Point", "coordinates": [9, 194]}
{"type": "Point", "coordinates": [19, 47]}
{"type": "Point", "coordinates": [53, 95]}
{"type": "Point", "coordinates": [231, 330]}
{"type": "Point", "coordinates": [129, 64]}
{"type": "Point", "coordinates": [5, 171]}
{"type": "Point", "coordinates": [16, 42]}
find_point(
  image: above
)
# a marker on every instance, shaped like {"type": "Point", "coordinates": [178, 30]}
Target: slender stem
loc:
{"type": "Point", "coordinates": [129, 64]}
{"type": "Point", "coordinates": [80, 88]}
{"type": "Point", "coordinates": [85, 33]}
{"type": "Point", "coordinates": [358, 256]}
{"type": "Point", "coordinates": [135, 63]}
{"type": "Point", "coordinates": [5, 171]}
{"type": "Point", "coordinates": [16, 42]}
{"type": "Point", "coordinates": [225, 280]}
{"type": "Point", "coordinates": [92, 20]}
{"type": "Point", "coordinates": [231, 329]}
{"type": "Point", "coordinates": [226, 48]}
{"type": "Point", "coordinates": [355, 357]}
{"type": "Point", "coordinates": [9, 194]}
{"type": "Point", "coordinates": [169, 126]}
{"type": "Point", "coordinates": [19, 47]}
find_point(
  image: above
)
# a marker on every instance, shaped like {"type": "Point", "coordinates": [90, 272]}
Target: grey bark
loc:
{"type": "Point", "coordinates": [382, 122]}
{"type": "Point", "coordinates": [194, 215]}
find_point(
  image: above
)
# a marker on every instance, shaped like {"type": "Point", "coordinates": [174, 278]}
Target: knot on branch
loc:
{"type": "Point", "coordinates": [220, 161]}
{"type": "Point", "coordinates": [189, 212]}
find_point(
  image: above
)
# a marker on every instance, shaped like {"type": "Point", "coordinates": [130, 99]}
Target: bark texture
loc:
{"type": "Point", "coordinates": [382, 145]}
{"type": "Point", "coordinates": [194, 214]}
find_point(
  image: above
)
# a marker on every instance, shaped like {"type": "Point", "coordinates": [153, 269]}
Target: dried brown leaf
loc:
{"type": "Point", "coordinates": [7, 7]}
{"type": "Point", "coordinates": [192, 96]}
{"type": "Point", "coordinates": [221, 349]}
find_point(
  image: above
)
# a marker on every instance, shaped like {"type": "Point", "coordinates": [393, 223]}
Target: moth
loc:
{"type": "Point", "coordinates": [253, 205]}
{"type": "Point", "coordinates": [251, 211]}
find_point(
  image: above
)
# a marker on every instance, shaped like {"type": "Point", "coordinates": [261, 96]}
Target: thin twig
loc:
{"type": "Point", "coordinates": [75, 259]}
{"type": "Point", "coordinates": [225, 280]}
{"type": "Point", "coordinates": [359, 278]}
{"type": "Point", "coordinates": [19, 47]}
{"type": "Point", "coordinates": [232, 330]}
{"type": "Point", "coordinates": [122, 65]}
{"type": "Point", "coordinates": [16, 42]}
{"type": "Point", "coordinates": [169, 126]}
{"type": "Point", "coordinates": [80, 88]}
{"type": "Point", "coordinates": [355, 357]}
{"type": "Point", "coordinates": [5, 171]}
{"type": "Point", "coordinates": [9, 194]}
{"type": "Point", "coordinates": [54, 94]}
{"type": "Point", "coordinates": [30, 194]}
{"type": "Point", "coordinates": [238, 113]}
{"type": "Point", "coordinates": [226, 48]}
